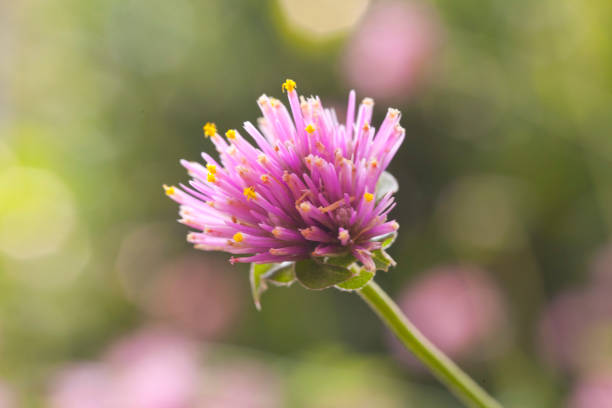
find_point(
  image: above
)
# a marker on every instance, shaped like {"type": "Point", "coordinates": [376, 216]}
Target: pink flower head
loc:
{"type": "Point", "coordinates": [307, 188]}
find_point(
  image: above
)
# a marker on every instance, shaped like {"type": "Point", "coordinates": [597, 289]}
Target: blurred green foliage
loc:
{"type": "Point", "coordinates": [507, 165]}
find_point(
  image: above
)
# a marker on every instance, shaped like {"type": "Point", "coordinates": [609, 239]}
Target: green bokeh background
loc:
{"type": "Point", "coordinates": [506, 165]}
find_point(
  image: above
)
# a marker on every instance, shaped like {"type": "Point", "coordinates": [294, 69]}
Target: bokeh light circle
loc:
{"type": "Point", "coordinates": [482, 212]}
{"type": "Point", "coordinates": [322, 18]}
{"type": "Point", "coordinates": [37, 212]}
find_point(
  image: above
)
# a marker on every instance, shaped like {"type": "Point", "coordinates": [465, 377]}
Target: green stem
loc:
{"type": "Point", "coordinates": [448, 372]}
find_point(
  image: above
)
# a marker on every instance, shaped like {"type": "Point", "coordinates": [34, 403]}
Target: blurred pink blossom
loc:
{"type": "Point", "coordinates": [457, 308]}
{"type": "Point", "coordinates": [153, 368]}
{"type": "Point", "coordinates": [594, 391]}
{"type": "Point", "coordinates": [198, 293]}
{"type": "Point", "coordinates": [84, 385]}
{"type": "Point", "coordinates": [242, 384]}
{"type": "Point", "coordinates": [8, 399]}
{"type": "Point", "coordinates": [388, 54]}
{"type": "Point", "coordinates": [575, 330]}
{"type": "Point", "coordinates": [560, 324]}
{"type": "Point", "coordinates": [601, 267]}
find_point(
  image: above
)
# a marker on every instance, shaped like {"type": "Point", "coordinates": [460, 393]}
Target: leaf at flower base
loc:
{"type": "Point", "coordinates": [361, 278]}
{"type": "Point", "coordinates": [279, 274]}
{"type": "Point", "coordinates": [258, 285]}
{"type": "Point", "coordinates": [386, 183]}
{"type": "Point", "coordinates": [343, 261]}
{"type": "Point", "coordinates": [386, 240]}
{"type": "Point", "coordinates": [315, 275]}
{"type": "Point", "coordinates": [382, 260]}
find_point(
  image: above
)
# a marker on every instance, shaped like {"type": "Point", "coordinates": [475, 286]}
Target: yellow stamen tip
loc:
{"type": "Point", "coordinates": [368, 197]}
{"type": "Point", "coordinates": [170, 190]}
{"type": "Point", "coordinates": [210, 129]}
{"type": "Point", "coordinates": [289, 85]}
{"type": "Point", "coordinates": [310, 129]}
{"type": "Point", "coordinates": [211, 178]}
{"type": "Point", "coordinates": [231, 134]}
{"type": "Point", "coordinates": [306, 232]}
{"type": "Point", "coordinates": [212, 168]}
{"type": "Point", "coordinates": [262, 159]}
{"type": "Point", "coordinates": [238, 237]}
{"type": "Point", "coordinates": [265, 178]}
{"type": "Point", "coordinates": [249, 193]}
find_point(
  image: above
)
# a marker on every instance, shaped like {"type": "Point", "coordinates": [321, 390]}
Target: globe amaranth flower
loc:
{"type": "Point", "coordinates": [307, 188]}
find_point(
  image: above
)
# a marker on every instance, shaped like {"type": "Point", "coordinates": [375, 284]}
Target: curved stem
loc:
{"type": "Point", "coordinates": [466, 389]}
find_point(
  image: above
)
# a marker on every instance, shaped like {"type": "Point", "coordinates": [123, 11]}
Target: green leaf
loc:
{"type": "Point", "coordinates": [382, 260]}
{"type": "Point", "coordinates": [315, 275]}
{"type": "Point", "coordinates": [279, 274]}
{"type": "Point", "coordinates": [282, 274]}
{"type": "Point", "coordinates": [386, 183]}
{"type": "Point", "coordinates": [386, 240]}
{"type": "Point", "coordinates": [389, 240]}
{"type": "Point", "coordinates": [358, 281]}
{"type": "Point", "coordinates": [258, 285]}
{"type": "Point", "coordinates": [344, 260]}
